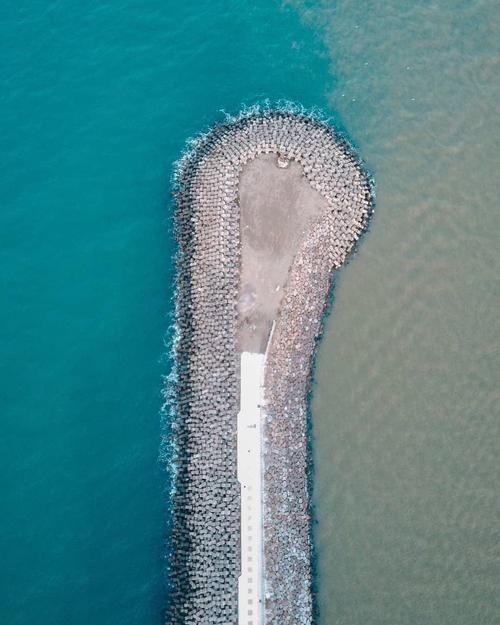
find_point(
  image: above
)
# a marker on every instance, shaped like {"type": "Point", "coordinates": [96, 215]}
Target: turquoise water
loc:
{"type": "Point", "coordinates": [96, 102]}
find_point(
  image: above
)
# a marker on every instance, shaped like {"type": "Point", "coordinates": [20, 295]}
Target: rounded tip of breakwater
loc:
{"type": "Point", "coordinates": [203, 391]}
{"type": "Point", "coordinates": [267, 108]}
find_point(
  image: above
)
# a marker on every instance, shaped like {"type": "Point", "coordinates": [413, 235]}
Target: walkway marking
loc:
{"type": "Point", "coordinates": [249, 451]}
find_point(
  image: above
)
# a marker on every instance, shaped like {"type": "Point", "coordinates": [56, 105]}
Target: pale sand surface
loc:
{"type": "Point", "coordinates": [277, 206]}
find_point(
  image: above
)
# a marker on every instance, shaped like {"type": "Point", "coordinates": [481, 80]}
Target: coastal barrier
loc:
{"type": "Point", "coordinates": [231, 289]}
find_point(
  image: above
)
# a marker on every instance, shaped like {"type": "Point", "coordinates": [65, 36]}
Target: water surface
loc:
{"type": "Point", "coordinates": [96, 102]}
{"type": "Point", "coordinates": [406, 405]}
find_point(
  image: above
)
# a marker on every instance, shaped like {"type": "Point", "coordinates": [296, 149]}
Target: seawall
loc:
{"type": "Point", "coordinates": [215, 324]}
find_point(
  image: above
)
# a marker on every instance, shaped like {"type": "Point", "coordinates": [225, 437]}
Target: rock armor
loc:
{"type": "Point", "coordinates": [205, 545]}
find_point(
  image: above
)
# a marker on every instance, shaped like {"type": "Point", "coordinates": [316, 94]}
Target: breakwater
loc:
{"type": "Point", "coordinates": [214, 325]}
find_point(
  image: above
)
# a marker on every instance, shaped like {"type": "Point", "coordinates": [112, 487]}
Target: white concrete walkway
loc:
{"type": "Point", "coordinates": [250, 583]}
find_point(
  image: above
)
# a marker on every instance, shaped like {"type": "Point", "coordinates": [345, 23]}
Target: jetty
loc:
{"type": "Point", "coordinates": [268, 206]}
